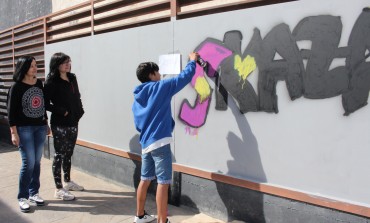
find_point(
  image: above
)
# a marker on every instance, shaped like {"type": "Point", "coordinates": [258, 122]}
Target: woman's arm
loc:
{"type": "Point", "coordinates": [49, 96]}
{"type": "Point", "coordinates": [12, 107]}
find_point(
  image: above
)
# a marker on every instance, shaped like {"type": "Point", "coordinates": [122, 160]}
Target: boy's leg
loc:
{"type": "Point", "coordinates": [162, 200]}
{"type": "Point", "coordinates": [147, 175]}
{"type": "Point", "coordinates": [163, 170]}
{"type": "Point", "coordinates": [141, 196]}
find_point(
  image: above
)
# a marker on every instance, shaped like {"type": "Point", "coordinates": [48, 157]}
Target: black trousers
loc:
{"type": "Point", "coordinates": [64, 143]}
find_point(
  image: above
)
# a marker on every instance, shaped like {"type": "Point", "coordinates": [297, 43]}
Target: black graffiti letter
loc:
{"type": "Point", "coordinates": [289, 68]}
{"type": "Point", "coordinates": [325, 33]}
{"type": "Point", "coordinates": [228, 79]}
{"type": "Point", "coordinates": [359, 41]}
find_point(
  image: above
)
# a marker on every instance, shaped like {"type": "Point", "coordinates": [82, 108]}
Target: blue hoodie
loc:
{"type": "Point", "coordinates": [152, 106]}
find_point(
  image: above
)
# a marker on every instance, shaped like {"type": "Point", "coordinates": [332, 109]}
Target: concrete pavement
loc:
{"type": "Point", "coordinates": [101, 202]}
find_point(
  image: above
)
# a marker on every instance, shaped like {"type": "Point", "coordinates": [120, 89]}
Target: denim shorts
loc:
{"type": "Point", "coordinates": [157, 163]}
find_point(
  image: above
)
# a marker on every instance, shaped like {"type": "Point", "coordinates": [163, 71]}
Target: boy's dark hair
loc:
{"type": "Point", "coordinates": [22, 67]}
{"type": "Point", "coordinates": [144, 69]}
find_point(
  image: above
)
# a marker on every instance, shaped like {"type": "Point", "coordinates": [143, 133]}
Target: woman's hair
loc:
{"type": "Point", "coordinates": [56, 60]}
{"type": "Point", "coordinates": [22, 67]}
{"type": "Point", "coordinates": [144, 69]}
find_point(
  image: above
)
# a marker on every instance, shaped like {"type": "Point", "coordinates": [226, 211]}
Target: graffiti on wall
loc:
{"type": "Point", "coordinates": [229, 67]}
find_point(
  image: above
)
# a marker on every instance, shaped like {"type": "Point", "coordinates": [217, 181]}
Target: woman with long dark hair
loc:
{"type": "Point", "coordinates": [63, 100]}
{"type": "Point", "coordinates": [28, 127]}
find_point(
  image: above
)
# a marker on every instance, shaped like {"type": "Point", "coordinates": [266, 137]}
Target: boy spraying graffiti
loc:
{"type": "Point", "coordinates": [153, 119]}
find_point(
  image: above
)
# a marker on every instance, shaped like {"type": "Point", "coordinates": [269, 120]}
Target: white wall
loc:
{"type": "Point", "coordinates": [308, 146]}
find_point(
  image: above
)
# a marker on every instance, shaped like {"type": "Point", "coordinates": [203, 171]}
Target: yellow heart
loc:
{"type": "Point", "coordinates": [244, 67]}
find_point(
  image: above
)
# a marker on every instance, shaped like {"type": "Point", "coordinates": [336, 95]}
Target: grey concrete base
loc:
{"type": "Point", "coordinates": [220, 200]}
{"type": "Point", "coordinates": [5, 134]}
{"type": "Point", "coordinates": [230, 203]}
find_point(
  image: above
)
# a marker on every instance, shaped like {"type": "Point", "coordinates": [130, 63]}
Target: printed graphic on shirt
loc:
{"type": "Point", "coordinates": [33, 103]}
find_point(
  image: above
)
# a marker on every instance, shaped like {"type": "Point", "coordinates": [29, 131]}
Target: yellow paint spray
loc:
{"type": "Point", "coordinates": [202, 88]}
{"type": "Point", "coordinates": [244, 67]}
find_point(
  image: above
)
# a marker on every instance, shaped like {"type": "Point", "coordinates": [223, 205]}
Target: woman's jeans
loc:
{"type": "Point", "coordinates": [64, 143]}
{"type": "Point", "coordinates": [32, 139]}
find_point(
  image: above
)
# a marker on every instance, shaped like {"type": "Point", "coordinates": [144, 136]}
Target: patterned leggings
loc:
{"type": "Point", "coordinates": [64, 143]}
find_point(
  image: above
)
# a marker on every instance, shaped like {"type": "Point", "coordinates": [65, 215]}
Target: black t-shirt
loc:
{"type": "Point", "coordinates": [26, 106]}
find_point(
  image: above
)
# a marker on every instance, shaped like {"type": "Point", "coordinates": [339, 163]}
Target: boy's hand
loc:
{"type": "Point", "coordinates": [193, 56]}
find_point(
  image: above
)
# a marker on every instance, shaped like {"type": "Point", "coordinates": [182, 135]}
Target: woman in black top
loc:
{"type": "Point", "coordinates": [63, 100]}
{"type": "Point", "coordinates": [28, 127]}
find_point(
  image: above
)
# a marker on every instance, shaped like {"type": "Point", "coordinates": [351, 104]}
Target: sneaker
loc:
{"type": "Point", "coordinates": [63, 195]}
{"type": "Point", "coordinates": [73, 186]}
{"type": "Point", "coordinates": [23, 205]}
{"type": "Point", "coordinates": [146, 218]}
{"type": "Point", "coordinates": [168, 221]}
{"type": "Point", "coordinates": [36, 199]}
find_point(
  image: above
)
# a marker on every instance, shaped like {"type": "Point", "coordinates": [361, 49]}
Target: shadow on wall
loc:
{"type": "Point", "coordinates": [243, 204]}
{"type": "Point", "coordinates": [135, 147]}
